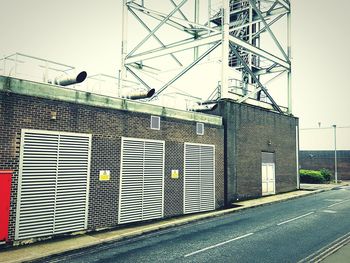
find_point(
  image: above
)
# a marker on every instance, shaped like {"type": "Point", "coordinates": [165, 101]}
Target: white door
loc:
{"type": "Point", "coordinates": [53, 183]}
{"type": "Point", "coordinates": [141, 192]}
{"type": "Point", "coordinates": [268, 173]}
{"type": "Point", "coordinates": [268, 178]}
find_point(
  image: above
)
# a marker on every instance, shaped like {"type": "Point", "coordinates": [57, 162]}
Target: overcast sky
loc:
{"type": "Point", "coordinates": [87, 34]}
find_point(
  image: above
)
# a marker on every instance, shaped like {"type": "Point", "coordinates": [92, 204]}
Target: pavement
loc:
{"type": "Point", "coordinates": [71, 243]}
{"type": "Point", "coordinates": [342, 255]}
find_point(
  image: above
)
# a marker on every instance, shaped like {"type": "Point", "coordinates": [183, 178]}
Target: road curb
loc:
{"type": "Point", "coordinates": [160, 226]}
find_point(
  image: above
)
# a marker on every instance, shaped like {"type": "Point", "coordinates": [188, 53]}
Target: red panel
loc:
{"type": "Point", "coordinates": [5, 192]}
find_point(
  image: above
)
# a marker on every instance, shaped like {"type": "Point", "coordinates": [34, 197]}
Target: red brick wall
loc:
{"type": "Point", "coordinates": [107, 126]}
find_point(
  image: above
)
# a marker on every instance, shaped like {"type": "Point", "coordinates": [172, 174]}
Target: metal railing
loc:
{"type": "Point", "coordinates": [28, 67]}
{"type": "Point", "coordinates": [31, 68]}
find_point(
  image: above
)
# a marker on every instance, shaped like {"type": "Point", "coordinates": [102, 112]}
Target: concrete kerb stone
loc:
{"type": "Point", "coordinates": [156, 227]}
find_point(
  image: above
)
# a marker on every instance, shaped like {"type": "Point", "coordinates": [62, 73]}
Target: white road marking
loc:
{"type": "Point", "coordinates": [329, 211]}
{"type": "Point", "coordinates": [334, 200]}
{"type": "Point", "coordinates": [217, 245]}
{"type": "Point", "coordinates": [327, 250]}
{"type": "Point", "coordinates": [295, 218]}
{"type": "Point", "coordinates": [338, 203]}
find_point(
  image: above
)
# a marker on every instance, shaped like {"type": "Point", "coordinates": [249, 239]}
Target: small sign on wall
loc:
{"type": "Point", "coordinates": [174, 174]}
{"type": "Point", "coordinates": [105, 175]}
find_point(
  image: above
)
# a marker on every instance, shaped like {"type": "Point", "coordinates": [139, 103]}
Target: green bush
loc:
{"type": "Point", "coordinates": [311, 177]}
{"type": "Point", "coordinates": [326, 174]}
{"type": "Point", "coordinates": [315, 177]}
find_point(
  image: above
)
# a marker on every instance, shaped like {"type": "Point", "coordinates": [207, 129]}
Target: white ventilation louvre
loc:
{"type": "Point", "coordinates": [142, 180]}
{"type": "Point", "coordinates": [155, 122]}
{"type": "Point", "coordinates": [199, 178]}
{"type": "Point", "coordinates": [53, 183]}
{"type": "Point", "coordinates": [200, 128]}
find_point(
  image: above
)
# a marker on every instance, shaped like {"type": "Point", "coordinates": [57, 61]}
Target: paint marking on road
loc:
{"type": "Point", "coordinates": [338, 203]}
{"type": "Point", "coordinates": [329, 211]}
{"type": "Point", "coordinates": [327, 250]}
{"type": "Point", "coordinates": [217, 245]}
{"type": "Point", "coordinates": [333, 200]}
{"type": "Point", "coordinates": [295, 218]}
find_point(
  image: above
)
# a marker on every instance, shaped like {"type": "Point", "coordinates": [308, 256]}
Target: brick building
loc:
{"type": "Point", "coordinates": [84, 162]}
{"type": "Point", "coordinates": [105, 124]}
{"type": "Point", "coordinates": [258, 143]}
{"type": "Point", "coordinates": [316, 160]}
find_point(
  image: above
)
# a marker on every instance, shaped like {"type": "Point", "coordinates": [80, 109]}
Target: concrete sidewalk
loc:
{"type": "Point", "coordinates": [57, 246]}
{"type": "Point", "coordinates": [342, 255]}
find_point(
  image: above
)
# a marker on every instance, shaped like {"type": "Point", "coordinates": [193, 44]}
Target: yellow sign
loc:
{"type": "Point", "coordinates": [105, 175]}
{"type": "Point", "coordinates": [174, 174]}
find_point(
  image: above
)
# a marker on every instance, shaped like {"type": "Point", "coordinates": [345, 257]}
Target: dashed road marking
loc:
{"type": "Point", "coordinates": [329, 211]}
{"type": "Point", "coordinates": [295, 218]}
{"type": "Point", "coordinates": [217, 245]}
{"type": "Point", "coordinates": [338, 203]}
{"type": "Point", "coordinates": [333, 200]}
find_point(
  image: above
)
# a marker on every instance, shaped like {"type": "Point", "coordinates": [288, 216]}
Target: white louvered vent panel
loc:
{"type": "Point", "coordinates": [192, 179]}
{"type": "Point", "coordinates": [72, 182]}
{"type": "Point", "coordinates": [53, 183]}
{"type": "Point", "coordinates": [199, 189]}
{"type": "Point", "coordinates": [207, 178]}
{"type": "Point", "coordinates": [130, 203]}
{"type": "Point", "coordinates": [38, 182]}
{"type": "Point", "coordinates": [153, 180]}
{"type": "Point", "coordinates": [200, 128]}
{"type": "Point", "coordinates": [141, 188]}
{"type": "Point", "coordinates": [155, 122]}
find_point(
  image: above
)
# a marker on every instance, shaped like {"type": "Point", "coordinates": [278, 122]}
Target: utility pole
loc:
{"type": "Point", "coordinates": [335, 154]}
{"type": "Point", "coordinates": [289, 53]}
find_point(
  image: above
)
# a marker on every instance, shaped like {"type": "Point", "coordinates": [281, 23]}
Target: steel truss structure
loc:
{"type": "Point", "coordinates": [236, 26]}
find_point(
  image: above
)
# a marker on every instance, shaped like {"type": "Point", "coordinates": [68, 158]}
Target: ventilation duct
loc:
{"type": "Point", "coordinates": [204, 108]}
{"type": "Point", "coordinates": [136, 95]}
{"type": "Point", "coordinates": [66, 80]}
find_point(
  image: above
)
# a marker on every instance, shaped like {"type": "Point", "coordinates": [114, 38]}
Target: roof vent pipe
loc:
{"type": "Point", "coordinates": [66, 80]}
{"type": "Point", "coordinates": [205, 108]}
{"type": "Point", "coordinates": [136, 95]}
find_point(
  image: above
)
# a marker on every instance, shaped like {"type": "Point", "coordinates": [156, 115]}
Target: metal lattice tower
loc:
{"type": "Point", "coordinates": [235, 26]}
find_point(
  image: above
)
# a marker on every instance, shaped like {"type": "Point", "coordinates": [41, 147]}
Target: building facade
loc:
{"type": "Point", "coordinates": [85, 162]}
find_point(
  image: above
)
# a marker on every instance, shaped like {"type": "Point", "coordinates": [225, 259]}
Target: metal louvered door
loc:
{"type": "Point", "coordinates": [53, 183]}
{"type": "Point", "coordinates": [72, 183]}
{"type": "Point", "coordinates": [131, 181]}
{"type": "Point", "coordinates": [192, 182]}
{"type": "Point", "coordinates": [199, 178]}
{"type": "Point", "coordinates": [36, 185]}
{"type": "Point", "coordinates": [142, 180]}
{"type": "Point", "coordinates": [153, 180]}
{"type": "Point", "coordinates": [207, 178]}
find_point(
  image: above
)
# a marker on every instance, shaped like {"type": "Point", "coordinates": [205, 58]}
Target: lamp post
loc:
{"type": "Point", "coordinates": [335, 154]}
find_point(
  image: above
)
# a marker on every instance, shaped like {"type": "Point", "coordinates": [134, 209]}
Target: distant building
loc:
{"type": "Point", "coordinates": [315, 160]}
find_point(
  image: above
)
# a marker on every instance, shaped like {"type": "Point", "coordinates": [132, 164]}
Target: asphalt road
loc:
{"type": "Point", "coordinates": [282, 232]}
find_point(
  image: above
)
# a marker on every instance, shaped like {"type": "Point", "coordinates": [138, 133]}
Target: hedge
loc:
{"type": "Point", "coordinates": [315, 177]}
